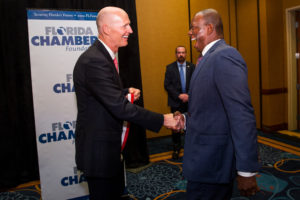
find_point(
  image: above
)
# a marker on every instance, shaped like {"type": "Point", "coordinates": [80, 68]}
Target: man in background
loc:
{"type": "Point", "coordinates": [177, 80]}
{"type": "Point", "coordinates": [221, 135]}
{"type": "Point", "coordinates": [102, 107]}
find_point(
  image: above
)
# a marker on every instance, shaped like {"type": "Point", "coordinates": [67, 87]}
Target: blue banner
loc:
{"type": "Point", "coordinates": [61, 15]}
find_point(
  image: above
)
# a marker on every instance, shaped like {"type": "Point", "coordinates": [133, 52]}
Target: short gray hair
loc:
{"type": "Point", "coordinates": [211, 16]}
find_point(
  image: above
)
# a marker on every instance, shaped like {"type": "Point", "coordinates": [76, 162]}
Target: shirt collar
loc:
{"type": "Point", "coordinates": [207, 47]}
{"type": "Point", "coordinates": [111, 53]}
{"type": "Point", "coordinates": [183, 64]}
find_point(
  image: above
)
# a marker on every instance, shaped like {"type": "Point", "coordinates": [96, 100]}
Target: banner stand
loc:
{"type": "Point", "coordinates": [56, 40]}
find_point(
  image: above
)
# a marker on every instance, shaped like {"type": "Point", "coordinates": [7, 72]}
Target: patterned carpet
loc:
{"type": "Point", "coordinates": [163, 180]}
{"type": "Point", "coordinates": [30, 191]}
{"type": "Point", "coordinates": [279, 178]}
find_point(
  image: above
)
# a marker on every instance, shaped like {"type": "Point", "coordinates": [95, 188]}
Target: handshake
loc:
{"type": "Point", "coordinates": [174, 121]}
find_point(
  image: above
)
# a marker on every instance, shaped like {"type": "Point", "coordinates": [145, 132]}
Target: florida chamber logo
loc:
{"type": "Point", "coordinates": [65, 87]}
{"type": "Point", "coordinates": [73, 38]}
{"type": "Point", "coordinates": [60, 131]}
{"type": "Point", "coordinates": [74, 179]}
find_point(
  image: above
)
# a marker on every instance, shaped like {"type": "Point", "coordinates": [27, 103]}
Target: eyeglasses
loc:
{"type": "Point", "coordinates": [194, 27]}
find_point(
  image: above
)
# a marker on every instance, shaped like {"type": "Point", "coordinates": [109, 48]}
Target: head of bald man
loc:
{"type": "Point", "coordinates": [206, 26]}
{"type": "Point", "coordinates": [113, 26]}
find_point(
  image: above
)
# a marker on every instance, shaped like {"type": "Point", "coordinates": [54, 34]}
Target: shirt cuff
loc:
{"type": "Point", "coordinates": [184, 122]}
{"type": "Point", "coordinates": [247, 174]}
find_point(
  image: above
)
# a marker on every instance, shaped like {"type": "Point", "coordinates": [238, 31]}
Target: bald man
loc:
{"type": "Point", "coordinates": [102, 107]}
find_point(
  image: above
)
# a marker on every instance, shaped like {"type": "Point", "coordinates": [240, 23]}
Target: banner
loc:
{"type": "Point", "coordinates": [56, 40]}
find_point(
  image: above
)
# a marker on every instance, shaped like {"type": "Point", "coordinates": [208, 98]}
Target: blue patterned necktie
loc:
{"type": "Point", "coordinates": [182, 79]}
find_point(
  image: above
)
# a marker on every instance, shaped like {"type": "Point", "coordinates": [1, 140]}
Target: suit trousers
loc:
{"type": "Point", "coordinates": [206, 191]}
{"type": "Point", "coordinates": [107, 188]}
{"type": "Point", "coordinates": [176, 136]}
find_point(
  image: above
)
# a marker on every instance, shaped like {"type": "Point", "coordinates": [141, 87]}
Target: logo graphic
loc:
{"type": "Point", "coordinates": [77, 178]}
{"type": "Point", "coordinates": [66, 87]}
{"type": "Point", "coordinates": [73, 38]}
{"type": "Point", "coordinates": [61, 30]}
{"type": "Point", "coordinates": [60, 131]}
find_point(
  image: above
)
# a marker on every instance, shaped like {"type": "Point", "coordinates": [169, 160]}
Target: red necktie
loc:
{"type": "Point", "coordinates": [125, 134]}
{"type": "Point", "coordinates": [199, 59]}
{"type": "Point", "coordinates": [116, 64]}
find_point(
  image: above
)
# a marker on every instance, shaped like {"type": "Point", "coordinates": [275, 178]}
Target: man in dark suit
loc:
{"type": "Point", "coordinates": [102, 107]}
{"type": "Point", "coordinates": [221, 135]}
{"type": "Point", "coordinates": [177, 81]}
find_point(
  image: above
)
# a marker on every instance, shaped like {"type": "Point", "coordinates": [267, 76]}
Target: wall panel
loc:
{"type": "Point", "coordinates": [248, 46]}
{"type": "Point", "coordinates": [162, 25]}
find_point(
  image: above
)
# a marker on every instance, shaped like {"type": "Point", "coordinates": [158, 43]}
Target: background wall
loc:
{"type": "Point", "coordinates": [247, 37]}
{"type": "Point", "coordinates": [162, 26]}
{"type": "Point", "coordinates": [272, 71]}
{"type": "Point", "coordinates": [289, 3]}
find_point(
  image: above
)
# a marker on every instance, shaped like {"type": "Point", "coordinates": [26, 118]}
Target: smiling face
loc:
{"type": "Point", "coordinates": [114, 27]}
{"type": "Point", "coordinates": [198, 32]}
{"type": "Point", "coordinates": [120, 30]}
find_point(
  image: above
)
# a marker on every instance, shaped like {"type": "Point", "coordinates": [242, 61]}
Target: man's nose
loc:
{"type": "Point", "coordinates": [130, 30]}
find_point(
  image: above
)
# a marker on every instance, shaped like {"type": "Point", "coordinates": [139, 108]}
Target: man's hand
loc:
{"type": "Point", "coordinates": [184, 97]}
{"type": "Point", "coordinates": [180, 117]}
{"type": "Point", "coordinates": [171, 122]}
{"type": "Point", "coordinates": [136, 93]}
{"type": "Point", "coordinates": [247, 185]}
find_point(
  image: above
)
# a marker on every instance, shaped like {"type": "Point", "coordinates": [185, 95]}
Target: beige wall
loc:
{"type": "Point", "coordinates": [248, 46]}
{"type": "Point", "coordinates": [290, 3]}
{"type": "Point", "coordinates": [162, 25]}
{"type": "Point", "coordinates": [273, 70]}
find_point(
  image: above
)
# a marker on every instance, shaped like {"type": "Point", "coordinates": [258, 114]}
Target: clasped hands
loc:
{"type": "Point", "coordinates": [174, 121]}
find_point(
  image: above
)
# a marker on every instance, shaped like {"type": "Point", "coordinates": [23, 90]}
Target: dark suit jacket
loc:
{"type": "Point", "coordinates": [172, 82]}
{"type": "Point", "coordinates": [102, 107]}
{"type": "Point", "coordinates": [221, 136]}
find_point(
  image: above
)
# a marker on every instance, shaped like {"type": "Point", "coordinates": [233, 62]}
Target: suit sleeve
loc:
{"type": "Point", "coordinates": [125, 91]}
{"type": "Point", "coordinates": [100, 81]}
{"type": "Point", "coordinates": [230, 77]}
{"type": "Point", "coordinates": [170, 86]}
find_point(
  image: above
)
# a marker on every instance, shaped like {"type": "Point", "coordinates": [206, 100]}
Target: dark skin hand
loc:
{"type": "Point", "coordinates": [247, 185]}
{"type": "Point", "coordinates": [179, 115]}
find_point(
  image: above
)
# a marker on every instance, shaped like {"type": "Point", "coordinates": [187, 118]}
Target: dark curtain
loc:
{"type": "Point", "coordinates": [18, 151]}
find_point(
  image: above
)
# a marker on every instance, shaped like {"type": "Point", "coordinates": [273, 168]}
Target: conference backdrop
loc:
{"type": "Point", "coordinates": [56, 40]}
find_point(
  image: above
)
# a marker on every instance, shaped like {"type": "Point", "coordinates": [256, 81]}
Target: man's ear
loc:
{"type": "Point", "coordinates": [106, 29]}
{"type": "Point", "coordinates": [210, 29]}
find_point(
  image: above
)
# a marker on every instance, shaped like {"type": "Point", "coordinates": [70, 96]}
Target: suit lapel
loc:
{"type": "Point", "coordinates": [201, 65]}
{"type": "Point", "coordinates": [103, 50]}
{"type": "Point", "coordinates": [176, 70]}
{"type": "Point", "coordinates": [187, 75]}
{"type": "Point", "coordinates": [177, 74]}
